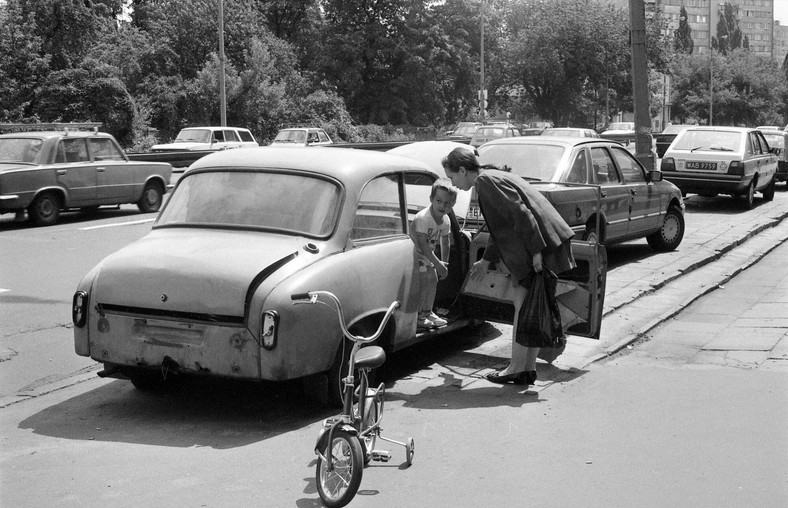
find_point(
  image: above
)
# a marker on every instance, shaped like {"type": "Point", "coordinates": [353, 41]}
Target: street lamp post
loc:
{"type": "Point", "coordinates": [222, 92]}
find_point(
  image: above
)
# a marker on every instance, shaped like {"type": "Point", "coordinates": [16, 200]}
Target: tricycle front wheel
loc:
{"type": "Point", "coordinates": [338, 484]}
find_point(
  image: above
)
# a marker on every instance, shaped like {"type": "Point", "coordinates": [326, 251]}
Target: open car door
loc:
{"type": "Point", "coordinates": [580, 292]}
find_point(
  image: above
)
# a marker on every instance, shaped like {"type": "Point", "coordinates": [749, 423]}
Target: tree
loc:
{"type": "Point", "coordinates": [729, 34]}
{"type": "Point", "coordinates": [683, 36]}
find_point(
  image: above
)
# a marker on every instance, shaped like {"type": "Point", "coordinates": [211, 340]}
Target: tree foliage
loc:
{"type": "Point", "coordinates": [347, 64]}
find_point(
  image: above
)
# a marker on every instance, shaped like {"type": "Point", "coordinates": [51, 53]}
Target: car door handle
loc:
{"type": "Point", "coordinates": [604, 193]}
{"type": "Point", "coordinates": [101, 170]}
{"type": "Point", "coordinates": [634, 192]}
{"type": "Point", "coordinates": [62, 171]}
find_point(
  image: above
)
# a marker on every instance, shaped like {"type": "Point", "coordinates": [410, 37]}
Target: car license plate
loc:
{"type": "Point", "coordinates": [474, 212]}
{"type": "Point", "coordinates": [712, 166]}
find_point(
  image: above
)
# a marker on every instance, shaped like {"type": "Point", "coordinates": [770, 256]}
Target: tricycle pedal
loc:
{"type": "Point", "coordinates": [381, 455]}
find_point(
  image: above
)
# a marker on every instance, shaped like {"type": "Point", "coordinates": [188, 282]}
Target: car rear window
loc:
{"type": "Point", "coordinates": [287, 203]}
{"type": "Point", "coordinates": [708, 140]}
{"type": "Point", "coordinates": [246, 136]}
{"type": "Point", "coordinates": [531, 161]}
{"type": "Point", "coordinates": [775, 141]}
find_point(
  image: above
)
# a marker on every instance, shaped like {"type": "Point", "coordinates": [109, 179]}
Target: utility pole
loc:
{"type": "Point", "coordinates": [222, 93]}
{"type": "Point", "coordinates": [643, 139]}
{"type": "Point", "coordinates": [482, 91]}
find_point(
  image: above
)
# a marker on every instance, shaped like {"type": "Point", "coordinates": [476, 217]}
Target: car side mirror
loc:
{"type": "Point", "coordinates": [655, 175]}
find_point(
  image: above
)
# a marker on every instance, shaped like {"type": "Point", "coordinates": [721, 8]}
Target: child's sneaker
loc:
{"type": "Point", "coordinates": [437, 320]}
{"type": "Point", "coordinates": [424, 322]}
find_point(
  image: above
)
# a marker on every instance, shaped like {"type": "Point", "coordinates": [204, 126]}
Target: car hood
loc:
{"type": "Point", "coordinates": [194, 271]}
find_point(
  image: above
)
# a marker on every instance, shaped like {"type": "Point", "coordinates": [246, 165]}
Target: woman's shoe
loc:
{"type": "Point", "coordinates": [517, 379]}
{"type": "Point", "coordinates": [530, 377]}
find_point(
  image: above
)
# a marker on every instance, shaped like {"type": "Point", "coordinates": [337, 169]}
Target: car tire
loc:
{"type": "Point", "coordinates": [45, 209]}
{"type": "Point", "coordinates": [590, 233]}
{"type": "Point", "coordinates": [152, 197]}
{"type": "Point", "coordinates": [749, 196]}
{"type": "Point", "coordinates": [768, 192]}
{"type": "Point", "coordinates": [669, 236]}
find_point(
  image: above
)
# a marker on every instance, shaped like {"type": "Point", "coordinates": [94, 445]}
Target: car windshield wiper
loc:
{"type": "Point", "coordinates": [720, 149]}
{"type": "Point", "coordinates": [698, 148]}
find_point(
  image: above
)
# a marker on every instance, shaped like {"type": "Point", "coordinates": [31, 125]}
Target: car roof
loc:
{"type": "Point", "coordinates": [567, 141]}
{"type": "Point", "coordinates": [719, 128]}
{"type": "Point", "coordinates": [344, 164]}
{"type": "Point", "coordinates": [56, 134]}
{"type": "Point", "coordinates": [214, 128]}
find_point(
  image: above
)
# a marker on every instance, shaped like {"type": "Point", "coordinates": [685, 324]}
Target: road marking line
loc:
{"type": "Point", "coordinates": [3, 290]}
{"type": "Point", "coordinates": [130, 223]}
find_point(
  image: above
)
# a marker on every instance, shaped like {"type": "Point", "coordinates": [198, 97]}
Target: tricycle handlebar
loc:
{"type": "Point", "coordinates": [314, 297]}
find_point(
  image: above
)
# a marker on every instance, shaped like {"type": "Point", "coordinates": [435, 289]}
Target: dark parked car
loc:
{"type": "Point", "coordinates": [634, 203]}
{"type": "Point", "coordinates": [46, 172]}
{"type": "Point", "coordinates": [486, 133]}
{"type": "Point", "coordinates": [666, 137]}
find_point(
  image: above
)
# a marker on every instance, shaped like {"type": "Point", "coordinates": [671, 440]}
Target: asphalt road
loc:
{"type": "Point", "coordinates": [603, 426]}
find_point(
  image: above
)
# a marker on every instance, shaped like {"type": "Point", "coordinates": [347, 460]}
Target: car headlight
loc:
{"type": "Point", "coordinates": [268, 329]}
{"type": "Point", "coordinates": [79, 309]}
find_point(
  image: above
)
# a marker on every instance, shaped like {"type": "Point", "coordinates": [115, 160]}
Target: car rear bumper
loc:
{"type": "Point", "coordinates": [701, 183]}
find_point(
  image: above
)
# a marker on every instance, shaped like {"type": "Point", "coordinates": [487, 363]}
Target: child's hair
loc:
{"type": "Point", "coordinates": [444, 184]}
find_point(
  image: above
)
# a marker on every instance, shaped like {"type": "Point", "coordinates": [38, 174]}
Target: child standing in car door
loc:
{"type": "Point", "coordinates": [430, 226]}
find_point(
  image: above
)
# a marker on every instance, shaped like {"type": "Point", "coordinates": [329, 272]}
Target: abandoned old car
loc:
{"type": "Point", "coordinates": [721, 160]}
{"type": "Point", "coordinates": [633, 203]}
{"type": "Point", "coordinates": [208, 290]}
{"type": "Point", "coordinates": [47, 172]}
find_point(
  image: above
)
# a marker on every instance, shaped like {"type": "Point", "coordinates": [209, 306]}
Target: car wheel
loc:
{"type": "Point", "coordinates": [768, 192]}
{"type": "Point", "coordinates": [589, 235]}
{"type": "Point", "coordinates": [45, 210]}
{"type": "Point", "coordinates": [749, 198]}
{"type": "Point", "coordinates": [152, 196]}
{"type": "Point", "coordinates": [670, 234]}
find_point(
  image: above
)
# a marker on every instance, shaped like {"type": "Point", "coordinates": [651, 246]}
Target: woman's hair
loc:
{"type": "Point", "coordinates": [461, 157]}
{"type": "Point", "coordinates": [465, 157]}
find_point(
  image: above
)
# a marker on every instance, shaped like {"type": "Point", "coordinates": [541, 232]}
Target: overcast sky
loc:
{"type": "Point", "coordinates": [781, 11]}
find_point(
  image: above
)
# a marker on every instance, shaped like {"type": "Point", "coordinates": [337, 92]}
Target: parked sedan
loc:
{"type": "Point", "coordinates": [208, 290]}
{"type": "Point", "coordinates": [721, 160]}
{"type": "Point", "coordinates": [44, 173]}
{"type": "Point", "coordinates": [301, 136]}
{"type": "Point", "coordinates": [634, 203]}
{"type": "Point", "coordinates": [486, 133]}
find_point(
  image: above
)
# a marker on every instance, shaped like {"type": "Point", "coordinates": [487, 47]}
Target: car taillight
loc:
{"type": "Point", "coordinates": [79, 309]}
{"type": "Point", "coordinates": [268, 329]}
{"type": "Point", "coordinates": [736, 168]}
{"type": "Point", "coordinates": [668, 164]}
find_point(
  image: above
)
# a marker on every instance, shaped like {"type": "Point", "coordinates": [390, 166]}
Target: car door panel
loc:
{"type": "Point", "coordinates": [580, 292]}
{"type": "Point", "coordinates": [644, 208]}
{"type": "Point", "coordinates": [616, 197]}
{"type": "Point", "coordinates": [75, 172]}
{"type": "Point", "coordinates": [117, 180]}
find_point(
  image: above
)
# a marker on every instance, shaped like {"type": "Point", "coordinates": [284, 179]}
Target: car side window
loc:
{"type": "Point", "coordinates": [246, 136]}
{"type": "Point", "coordinates": [604, 169]}
{"type": "Point", "coordinates": [755, 145]}
{"type": "Point", "coordinates": [577, 173]}
{"type": "Point", "coordinates": [231, 135]}
{"type": "Point", "coordinates": [72, 150]}
{"type": "Point", "coordinates": [103, 149]}
{"type": "Point", "coordinates": [379, 211]}
{"type": "Point", "coordinates": [322, 136]}
{"type": "Point", "coordinates": [630, 169]}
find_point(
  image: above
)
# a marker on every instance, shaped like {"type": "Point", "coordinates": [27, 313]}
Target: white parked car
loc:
{"type": "Point", "coordinates": [208, 138]}
{"type": "Point", "coordinates": [721, 160]}
{"type": "Point", "coordinates": [302, 136]}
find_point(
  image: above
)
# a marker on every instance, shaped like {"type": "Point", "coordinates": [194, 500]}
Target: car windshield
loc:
{"type": "Point", "coordinates": [531, 161]}
{"type": "Point", "coordinates": [710, 140]}
{"type": "Point", "coordinates": [775, 141]}
{"type": "Point", "coordinates": [194, 136]}
{"type": "Point", "coordinates": [290, 137]}
{"type": "Point", "coordinates": [283, 202]}
{"type": "Point", "coordinates": [20, 150]}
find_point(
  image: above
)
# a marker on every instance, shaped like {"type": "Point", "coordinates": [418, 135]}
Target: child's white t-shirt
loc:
{"type": "Point", "coordinates": [424, 223]}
